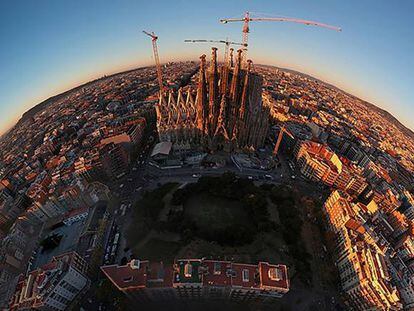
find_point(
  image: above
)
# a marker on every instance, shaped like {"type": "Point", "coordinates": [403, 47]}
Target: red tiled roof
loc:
{"type": "Point", "coordinates": [238, 276]}
{"type": "Point", "coordinates": [214, 273]}
{"type": "Point", "coordinates": [218, 277]}
{"type": "Point", "coordinates": [126, 277]}
{"type": "Point", "coordinates": [266, 281]}
{"type": "Point", "coordinates": [355, 226]}
{"type": "Point", "coordinates": [160, 275]}
{"type": "Point", "coordinates": [49, 266]}
{"type": "Point", "coordinates": [39, 277]}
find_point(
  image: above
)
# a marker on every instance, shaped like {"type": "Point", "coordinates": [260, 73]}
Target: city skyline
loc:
{"type": "Point", "coordinates": [158, 163]}
{"type": "Point", "coordinates": [85, 42]}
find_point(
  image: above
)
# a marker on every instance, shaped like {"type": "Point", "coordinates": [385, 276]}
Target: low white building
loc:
{"type": "Point", "coordinates": [75, 216]}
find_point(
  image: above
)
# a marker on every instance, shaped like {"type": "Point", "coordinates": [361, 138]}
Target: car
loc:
{"type": "Point", "coordinates": [120, 175]}
{"type": "Point", "coordinates": [269, 177]}
{"type": "Point", "coordinates": [121, 186]}
{"type": "Point", "coordinates": [293, 176]}
{"type": "Point", "coordinates": [134, 168]}
{"type": "Point", "coordinates": [250, 177]}
{"type": "Point", "coordinates": [196, 175]}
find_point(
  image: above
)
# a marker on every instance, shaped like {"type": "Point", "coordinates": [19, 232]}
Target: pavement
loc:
{"type": "Point", "coordinates": [69, 241]}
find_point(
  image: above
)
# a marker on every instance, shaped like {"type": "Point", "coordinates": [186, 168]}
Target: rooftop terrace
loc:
{"type": "Point", "coordinates": [145, 274]}
{"type": "Point", "coordinates": [188, 271]}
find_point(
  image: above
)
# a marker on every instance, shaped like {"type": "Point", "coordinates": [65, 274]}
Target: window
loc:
{"type": "Point", "coordinates": [188, 270]}
{"type": "Point", "coordinates": [217, 268]}
{"type": "Point", "coordinates": [245, 275]}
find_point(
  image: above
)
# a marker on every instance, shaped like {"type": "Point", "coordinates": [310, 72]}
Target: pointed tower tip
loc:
{"type": "Point", "coordinates": [231, 57]}
{"type": "Point", "coordinates": [239, 57]}
{"type": "Point", "coordinates": [249, 65]}
{"type": "Point", "coordinates": [213, 57]}
{"type": "Point", "coordinates": [202, 62]}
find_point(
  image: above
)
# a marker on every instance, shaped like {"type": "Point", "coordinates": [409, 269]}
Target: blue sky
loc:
{"type": "Point", "coordinates": [47, 47]}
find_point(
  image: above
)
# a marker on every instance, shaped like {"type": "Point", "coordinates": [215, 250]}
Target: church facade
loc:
{"type": "Point", "coordinates": [225, 112]}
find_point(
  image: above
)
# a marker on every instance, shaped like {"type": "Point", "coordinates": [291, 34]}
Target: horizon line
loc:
{"type": "Point", "coordinates": [116, 72]}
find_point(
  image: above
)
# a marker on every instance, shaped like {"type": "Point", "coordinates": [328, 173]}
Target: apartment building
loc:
{"type": "Point", "coordinates": [195, 279]}
{"type": "Point", "coordinates": [362, 263]}
{"type": "Point", "coordinates": [53, 286]}
{"type": "Point", "coordinates": [318, 162]}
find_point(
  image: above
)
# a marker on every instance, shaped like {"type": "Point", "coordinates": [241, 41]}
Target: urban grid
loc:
{"type": "Point", "coordinates": [96, 186]}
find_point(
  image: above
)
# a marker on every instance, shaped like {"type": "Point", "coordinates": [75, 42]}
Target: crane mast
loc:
{"type": "Point", "coordinates": [279, 139]}
{"type": "Point", "coordinates": [154, 39]}
{"type": "Point", "coordinates": [245, 35]}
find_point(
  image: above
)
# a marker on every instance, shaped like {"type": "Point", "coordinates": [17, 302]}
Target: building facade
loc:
{"type": "Point", "coordinates": [319, 163]}
{"type": "Point", "coordinates": [195, 279]}
{"type": "Point", "coordinates": [53, 286]}
{"type": "Point", "coordinates": [225, 113]}
{"type": "Point", "coordinates": [361, 258]}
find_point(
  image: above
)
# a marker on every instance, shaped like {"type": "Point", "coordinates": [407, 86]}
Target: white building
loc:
{"type": "Point", "coordinates": [53, 286]}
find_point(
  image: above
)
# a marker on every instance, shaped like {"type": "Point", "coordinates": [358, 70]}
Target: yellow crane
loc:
{"type": "Point", "coordinates": [282, 131]}
{"type": "Point", "coordinates": [247, 19]}
{"type": "Point", "coordinates": [226, 42]}
{"type": "Point", "coordinates": [154, 39]}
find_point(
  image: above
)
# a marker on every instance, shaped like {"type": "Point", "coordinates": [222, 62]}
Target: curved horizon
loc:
{"type": "Point", "coordinates": [54, 47]}
{"type": "Point", "coordinates": [129, 68]}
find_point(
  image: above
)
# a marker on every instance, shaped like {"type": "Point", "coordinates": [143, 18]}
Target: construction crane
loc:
{"type": "Point", "coordinates": [226, 42]}
{"type": "Point", "coordinates": [282, 131]}
{"type": "Point", "coordinates": [154, 39]}
{"type": "Point", "coordinates": [247, 19]}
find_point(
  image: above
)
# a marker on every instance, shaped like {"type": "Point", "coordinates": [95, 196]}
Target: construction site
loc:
{"type": "Point", "coordinates": [225, 112]}
{"type": "Point", "coordinates": [224, 109]}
